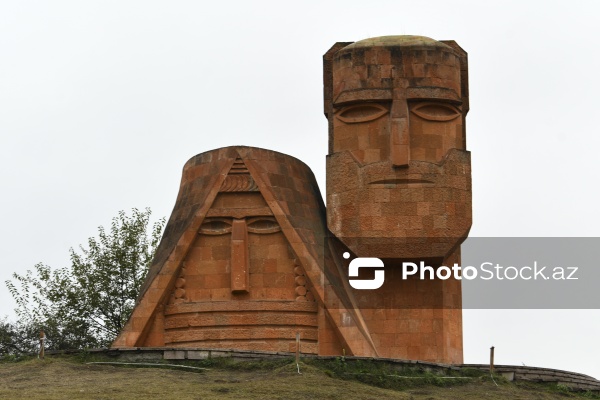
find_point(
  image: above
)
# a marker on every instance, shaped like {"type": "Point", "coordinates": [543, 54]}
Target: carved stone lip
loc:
{"type": "Point", "coordinates": [419, 173]}
{"type": "Point", "coordinates": [401, 181]}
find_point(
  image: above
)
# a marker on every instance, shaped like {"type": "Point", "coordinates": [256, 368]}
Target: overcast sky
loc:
{"type": "Point", "coordinates": [102, 102]}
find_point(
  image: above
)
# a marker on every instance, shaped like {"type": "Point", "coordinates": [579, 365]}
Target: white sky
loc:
{"type": "Point", "coordinates": [102, 102]}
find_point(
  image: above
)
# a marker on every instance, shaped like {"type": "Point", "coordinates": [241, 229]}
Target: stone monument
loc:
{"type": "Point", "coordinates": [250, 257]}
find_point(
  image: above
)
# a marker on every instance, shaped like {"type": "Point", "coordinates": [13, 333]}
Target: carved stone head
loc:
{"type": "Point", "coordinates": [238, 257]}
{"type": "Point", "coordinates": [398, 173]}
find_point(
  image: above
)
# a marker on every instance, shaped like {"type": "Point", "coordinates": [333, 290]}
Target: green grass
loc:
{"type": "Point", "coordinates": [71, 377]}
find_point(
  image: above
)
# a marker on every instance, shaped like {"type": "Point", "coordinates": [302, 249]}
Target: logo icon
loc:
{"type": "Point", "coordinates": [365, 262]}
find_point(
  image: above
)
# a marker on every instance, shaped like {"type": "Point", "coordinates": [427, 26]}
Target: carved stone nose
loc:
{"type": "Point", "coordinates": [399, 142]}
{"type": "Point", "coordinates": [240, 259]}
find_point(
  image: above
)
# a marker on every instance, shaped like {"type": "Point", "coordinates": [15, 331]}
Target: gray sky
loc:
{"type": "Point", "coordinates": [102, 102]}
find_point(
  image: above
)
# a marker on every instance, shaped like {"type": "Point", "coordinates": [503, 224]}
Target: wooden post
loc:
{"type": "Point", "coordinates": [492, 359]}
{"type": "Point", "coordinates": [297, 348]}
{"type": "Point", "coordinates": [42, 339]}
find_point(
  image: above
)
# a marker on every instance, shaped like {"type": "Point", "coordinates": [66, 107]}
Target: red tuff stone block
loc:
{"type": "Point", "coordinates": [251, 257]}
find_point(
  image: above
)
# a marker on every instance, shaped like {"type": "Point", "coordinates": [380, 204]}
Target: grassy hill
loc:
{"type": "Point", "coordinates": [74, 378]}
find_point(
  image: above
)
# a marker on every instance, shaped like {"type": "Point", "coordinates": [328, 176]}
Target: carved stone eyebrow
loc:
{"type": "Point", "coordinates": [433, 93]}
{"type": "Point", "coordinates": [362, 95]}
{"type": "Point", "coordinates": [239, 213]}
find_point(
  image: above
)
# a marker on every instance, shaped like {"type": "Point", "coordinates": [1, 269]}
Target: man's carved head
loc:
{"type": "Point", "coordinates": [398, 173]}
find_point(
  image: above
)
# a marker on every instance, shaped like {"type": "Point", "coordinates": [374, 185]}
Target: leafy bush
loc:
{"type": "Point", "coordinates": [87, 303]}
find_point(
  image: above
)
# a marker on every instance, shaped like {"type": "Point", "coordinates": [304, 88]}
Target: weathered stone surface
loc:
{"type": "Point", "coordinates": [399, 183]}
{"type": "Point", "coordinates": [398, 173]}
{"type": "Point", "coordinates": [198, 354]}
{"type": "Point", "coordinates": [250, 257]}
{"type": "Point", "coordinates": [174, 355]}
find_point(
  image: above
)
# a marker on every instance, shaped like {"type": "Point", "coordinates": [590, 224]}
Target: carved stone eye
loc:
{"type": "Point", "coordinates": [361, 113]}
{"type": "Point", "coordinates": [436, 111]}
{"type": "Point", "coordinates": [263, 225]}
{"type": "Point", "coordinates": [215, 227]}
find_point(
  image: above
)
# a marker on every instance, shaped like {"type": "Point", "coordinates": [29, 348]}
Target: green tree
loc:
{"type": "Point", "coordinates": [88, 303]}
{"type": "Point", "coordinates": [16, 338]}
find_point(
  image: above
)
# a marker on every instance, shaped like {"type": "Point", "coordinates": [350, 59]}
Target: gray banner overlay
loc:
{"type": "Point", "coordinates": [556, 254]}
{"type": "Point", "coordinates": [501, 273]}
